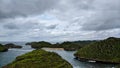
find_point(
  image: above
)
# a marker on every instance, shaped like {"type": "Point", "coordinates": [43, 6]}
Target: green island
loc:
{"type": "Point", "coordinates": [11, 45]}
{"type": "Point", "coordinates": [39, 59]}
{"type": "Point", "coordinates": [68, 46]}
{"type": "Point", "coordinates": [3, 48]}
{"type": "Point", "coordinates": [106, 51]}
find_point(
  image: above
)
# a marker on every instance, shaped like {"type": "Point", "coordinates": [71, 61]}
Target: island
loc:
{"type": "Point", "coordinates": [105, 51]}
{"type": "Point", "coordinates": [39, 59]}
{"type": "Point", "coordinates": [3, 48]}
{"type": "Point", "coordinates": [68, 46]}
{"type": "Point", "coordinates": [11, 45]}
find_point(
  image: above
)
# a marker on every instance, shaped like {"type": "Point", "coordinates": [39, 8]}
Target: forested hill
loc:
{"type": "Point", "coordinates": [107, 50]}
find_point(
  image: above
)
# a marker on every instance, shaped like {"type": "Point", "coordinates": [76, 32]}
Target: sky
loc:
{"type": "Point", "coordinates": [59, 20]}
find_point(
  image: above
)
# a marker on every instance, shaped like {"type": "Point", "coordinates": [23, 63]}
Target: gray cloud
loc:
{"type": "Point", "coordinates": [52, 26]}
{"type": "Point", "coordinates": [103, 21]}
{"type": "Point", "coordinates": [12, 8]}
{"type": "Point", "coordinates": [11, 26]}
{"type": "Point", "coordinates": [61, 20]}
{"type": "Point", "coordinates": [91, 15]}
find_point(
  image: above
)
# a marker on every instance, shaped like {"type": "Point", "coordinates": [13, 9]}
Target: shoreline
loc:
{"type": "Point", "coordinates": [95, 60]}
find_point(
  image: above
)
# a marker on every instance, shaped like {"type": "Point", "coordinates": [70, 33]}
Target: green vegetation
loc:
{"type": "Point", "coordinates": [70, 46]}
{"type": "Point", "coordinates": [107, 50]}
{"type": "Point", "coordinates": [39, 59]}
{"type": "Point", "coordinates": [38, 45]}
{"type": "Point", "coordinates": [3, 48]}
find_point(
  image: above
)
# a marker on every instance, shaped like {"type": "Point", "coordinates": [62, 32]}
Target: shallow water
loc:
{"type": "Point", "coordinates": [7, 57]}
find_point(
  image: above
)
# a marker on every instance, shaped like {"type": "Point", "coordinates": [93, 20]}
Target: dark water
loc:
{"type": "Point", "coordinates": [7, 57]}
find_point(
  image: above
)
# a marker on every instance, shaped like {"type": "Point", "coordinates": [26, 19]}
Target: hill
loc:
{"type": "Point", "coordinates": [39, 59]}
{"type": "Point", "coordinates": [102, 51]}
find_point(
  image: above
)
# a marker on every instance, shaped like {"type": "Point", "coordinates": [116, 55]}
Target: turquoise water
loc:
{"type": "Point", "coordinates": [7, 57]}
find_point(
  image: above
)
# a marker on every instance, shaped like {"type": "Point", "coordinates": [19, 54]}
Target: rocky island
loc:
{"type": "Point", "coordinates": [39, 59]}
{"type": "Point", "coordinates": [107, 51]}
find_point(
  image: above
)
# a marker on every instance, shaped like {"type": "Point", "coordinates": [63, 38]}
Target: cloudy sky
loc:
{"type": "Point", "coordinates": [59, 20]}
